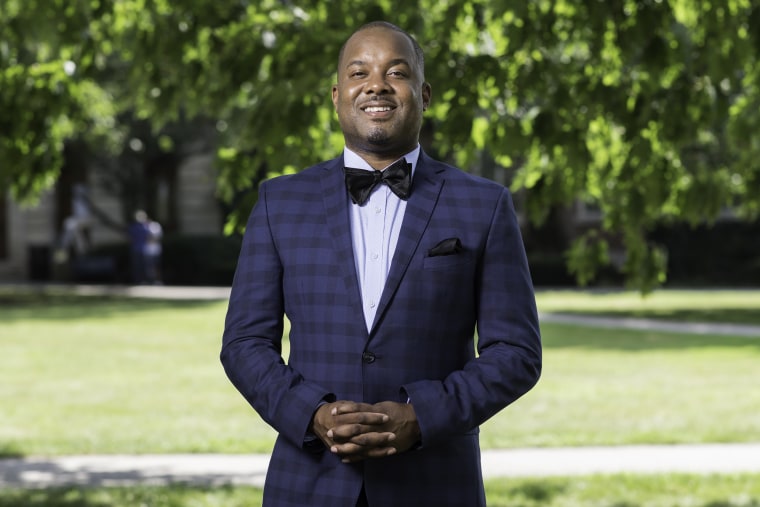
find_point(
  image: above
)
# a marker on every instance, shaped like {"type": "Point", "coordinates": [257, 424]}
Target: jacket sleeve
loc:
{"type": "Point", "coordinates": [508, 363]}
{"type": "Point", "coordinates": [252, 342]}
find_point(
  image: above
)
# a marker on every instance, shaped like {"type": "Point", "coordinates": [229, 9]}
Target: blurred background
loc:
{"type": "Point", "coordinates": [628, 129]}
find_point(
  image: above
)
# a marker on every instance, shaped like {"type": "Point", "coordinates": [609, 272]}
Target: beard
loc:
{"type": "Point", "coordinates": [377, 136]}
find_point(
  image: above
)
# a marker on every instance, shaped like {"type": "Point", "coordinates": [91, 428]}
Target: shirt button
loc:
{"type": "Point", "coordinates": [371, 304]}
{"type": "Point", "coordinates": [368, 357]}
{"type": "Point", "coordinates": [378, 209]}
{"type": "Point", "coordinates": [375, 256]}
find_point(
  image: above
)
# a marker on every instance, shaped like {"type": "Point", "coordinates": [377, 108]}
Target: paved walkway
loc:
{"type": "Point", "coordinates": [218, 469]}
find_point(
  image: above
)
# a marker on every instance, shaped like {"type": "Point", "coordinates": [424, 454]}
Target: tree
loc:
{"type": "Point", "coordinates": [645, 109]}
{"type": "Point", "coordinates": [43, 98]}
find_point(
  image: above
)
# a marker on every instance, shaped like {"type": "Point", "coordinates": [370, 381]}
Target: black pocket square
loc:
{"type": "Point", "coordinates": [448, 246]}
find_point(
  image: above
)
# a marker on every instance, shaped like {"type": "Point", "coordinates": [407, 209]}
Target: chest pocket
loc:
{"type": "Point", "coordinates": [447, 261]}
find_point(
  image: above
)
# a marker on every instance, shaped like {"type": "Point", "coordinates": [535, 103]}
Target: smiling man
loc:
{"type": "Point", "coordinates": [381, 94]}
{"type": "Point", "coordinates": [386, 262]}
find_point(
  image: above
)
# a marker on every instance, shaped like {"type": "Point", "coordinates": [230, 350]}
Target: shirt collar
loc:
{"type": "Point", "coordinates": [352, 159]}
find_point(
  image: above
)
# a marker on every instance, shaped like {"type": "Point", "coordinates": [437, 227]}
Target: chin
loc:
{"type": "Point", "coordinates": [377, 138]}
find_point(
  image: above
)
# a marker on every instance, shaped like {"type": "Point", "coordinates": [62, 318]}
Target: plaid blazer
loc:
{"type": "Point", "coordinates": [297, 259]}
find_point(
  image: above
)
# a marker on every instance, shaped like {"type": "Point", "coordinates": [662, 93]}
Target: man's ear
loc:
{"type": "Point", "coordinates": [427, 94]}
{"type": "Point", "coordinates": [335, 95]}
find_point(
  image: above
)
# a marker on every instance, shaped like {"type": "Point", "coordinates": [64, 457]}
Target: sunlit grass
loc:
{"type": "Point", "coordinates": [94, 375]}
{"type": "Point", "coordinates": [102, 375]}
{"type": "Point", "coordinates": [611, 387]}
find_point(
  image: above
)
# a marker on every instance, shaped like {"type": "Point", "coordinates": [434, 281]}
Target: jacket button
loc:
{"type": "Point", "coordinates": [368, 357]}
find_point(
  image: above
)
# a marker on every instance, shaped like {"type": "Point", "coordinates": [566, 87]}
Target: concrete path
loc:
{"type": "Point", "coordinates": [218, 469]}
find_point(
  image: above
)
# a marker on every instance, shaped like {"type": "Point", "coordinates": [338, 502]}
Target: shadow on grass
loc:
{"type": "Point", "coordinates": [9, 450]}
{"type": "Point", "coordinates": [747, 316]}
{"type": "Point", "coordinates": [153, 496]}
{"type": "Point", "coordinates": [50, 498]}
{"type": "Point", "coordinates": [534, 493]}
{"type": "Point", "coordinates": [72, 307]}
{"type": "Point", "coordinates": [565, 491]}
{"type": "Point", "coordinates": [567, 336]}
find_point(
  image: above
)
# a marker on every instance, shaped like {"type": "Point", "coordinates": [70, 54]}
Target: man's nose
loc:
{"type": "Point", "coordinates": [377, 84]}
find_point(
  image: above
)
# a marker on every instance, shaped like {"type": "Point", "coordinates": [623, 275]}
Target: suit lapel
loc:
{"type": "Point", "coordinates": [335, 200]}
{"type": "Point", "coordinates": [419, 208]}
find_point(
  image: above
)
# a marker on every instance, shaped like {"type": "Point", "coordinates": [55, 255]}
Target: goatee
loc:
{"type": "Point", "coordinates": [377, 136]}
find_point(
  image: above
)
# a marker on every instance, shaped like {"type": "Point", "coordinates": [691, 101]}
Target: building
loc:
{"type": "Point", "coordinates": [37, 242]}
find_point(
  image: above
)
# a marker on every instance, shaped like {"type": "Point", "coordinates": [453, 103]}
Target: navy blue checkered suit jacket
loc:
{"type": "Point", "coordinates": [297, 259]}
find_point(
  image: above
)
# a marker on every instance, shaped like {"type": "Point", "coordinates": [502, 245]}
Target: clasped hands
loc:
{"type": "Point", "coordinates": [357, 431]}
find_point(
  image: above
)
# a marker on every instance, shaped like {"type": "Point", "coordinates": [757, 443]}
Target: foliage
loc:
{"type": "Point", "coordinates": [45, 97]}
{"type": "Point", "coordinates": [643, 109]}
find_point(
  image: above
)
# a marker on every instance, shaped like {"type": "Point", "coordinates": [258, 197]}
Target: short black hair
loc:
{"type": "Point", "coordinates": [418, 53]}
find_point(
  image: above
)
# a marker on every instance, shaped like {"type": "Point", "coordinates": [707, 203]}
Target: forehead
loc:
{"type": "Point", "coordinates": [378, 43]}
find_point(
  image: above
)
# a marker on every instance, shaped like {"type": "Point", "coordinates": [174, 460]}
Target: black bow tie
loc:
{"type": "Point", "coordinates": [360, 183]}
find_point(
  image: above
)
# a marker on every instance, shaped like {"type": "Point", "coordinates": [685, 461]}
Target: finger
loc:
{"type": "Point", "coordinates": [363, 443]}
{"type": "Point", "coordinates": [374, 440]}
{"type": "Point", "coordinates": [347, 432]}
{"type": "Point", "coordinates": [347, 407]}
{"type": "Point", "coordinates": [350, 449]}
{"type": "Point", "coordinates": [353, 454]}
{"type": "Point", "coordinates": [366, 418]}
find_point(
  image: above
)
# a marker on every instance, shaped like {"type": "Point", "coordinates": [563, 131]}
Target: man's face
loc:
{"type": "Point", "coordinates": [380, 94]}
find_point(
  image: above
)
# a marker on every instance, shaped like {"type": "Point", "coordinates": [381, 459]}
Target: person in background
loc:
{"type": "Point", "coordinates": [76, 227]}
{"type": "Point", "coordinates": [138, 239]}
{"type": "Point", "coordinates": [152, 252]}
{"type": "Point", "coordinates": [386, 262]}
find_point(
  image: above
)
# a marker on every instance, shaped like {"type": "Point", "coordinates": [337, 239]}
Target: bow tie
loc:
{"type": "Point", "coordinates": [360, 183]}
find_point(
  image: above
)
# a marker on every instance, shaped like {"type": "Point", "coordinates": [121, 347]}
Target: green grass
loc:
{"type": "Point", "coordinates": [669, 490]}
{"type": "Point", "coordinates": [734, 306]}
{"type": "Point", "coordinates": [611, 387]}
{"type": "Point", "coordinates": [107, 375]}
{"type": "Point", "coordinates": [592, 491]}
{"type": "Point", "coordinates": [101, 375]}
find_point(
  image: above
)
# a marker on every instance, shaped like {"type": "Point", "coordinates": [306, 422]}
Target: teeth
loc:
{"type": "Point", "coordinates": [377, 109]}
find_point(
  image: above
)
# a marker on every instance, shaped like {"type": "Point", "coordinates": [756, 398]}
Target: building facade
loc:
{"type": "Point", "coordinates": [78, 216]}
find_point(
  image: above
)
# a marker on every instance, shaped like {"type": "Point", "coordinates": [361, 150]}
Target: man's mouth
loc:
{"type": "Point", "coordinates": [377, 109]}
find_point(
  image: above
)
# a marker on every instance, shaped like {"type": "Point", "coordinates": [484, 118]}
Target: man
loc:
{"type": "Point", "coordinates": [381, 398]}
{"type": "Point", "coordinates": [138, 239]}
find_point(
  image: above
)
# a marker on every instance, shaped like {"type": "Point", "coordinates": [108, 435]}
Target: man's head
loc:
{"type": "Point", "coordinates": [381, 92]}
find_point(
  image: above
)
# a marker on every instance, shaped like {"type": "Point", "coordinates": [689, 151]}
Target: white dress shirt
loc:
{"type": "Point", "coordinates": [375, 228]}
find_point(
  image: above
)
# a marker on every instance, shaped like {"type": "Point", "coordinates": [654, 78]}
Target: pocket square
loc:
{"type": "Point", "coordinates": [449, 246]}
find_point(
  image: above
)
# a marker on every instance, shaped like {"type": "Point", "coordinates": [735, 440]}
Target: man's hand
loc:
{"type": "Point", "coordinates": [357, 431]}
{"type": "Point", "coordinates": [402, 422]}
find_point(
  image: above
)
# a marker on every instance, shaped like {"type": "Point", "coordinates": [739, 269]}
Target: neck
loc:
{"type": "Point", "coordinates": [380, 160]}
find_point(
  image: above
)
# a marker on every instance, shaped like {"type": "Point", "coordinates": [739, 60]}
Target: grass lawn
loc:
{"type": "Point", "coordinates": [593, 491]}
{"type": "Point", "coordinates": [610, 387]}
{"type": "Point", "coordinates": [105, 375]}
{"type": "Point", "coordinates": [100, 375]}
